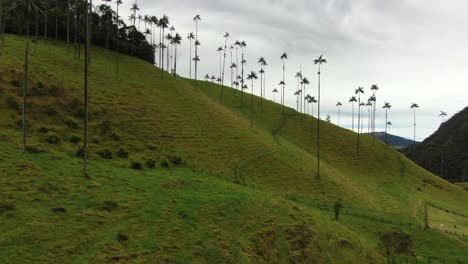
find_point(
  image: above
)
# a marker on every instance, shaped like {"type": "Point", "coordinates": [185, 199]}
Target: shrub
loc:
{"type": "Point", "coordinates": [71, 122]}
{"type": "Point", "coordinates": [80, 152]}
{"type": "Point", "coordinates": [6, 207]}
{"type": "Point", "coordinates": [43, 130]}
{"type": "Point", "coordinates": [151, 164]}
{"type": "Point", "coordinates": [96, 140]}
{"type": "Point", "coordinates": [40, 85]}
{"type": "Point", "coordinates": [80, 112]}
{"type": "Point", "coordinates": [74, 139]}
{"type": "Point", "coordinates": [115, 136]}
{"type": "Point", "coordinates": [51, 110]}
{"type": "Point", "coordinates": [122, 237]}
{"type": "Point", "coordinates": [16, 83]}
{"type": "Point", "coordinates": [176, 160]}
{"type": "Point", "coordinates": [52, 139]}
{"type": "Point", "coordinates": [122, 153]}
{"type": "Point", "coordinates": [56, 91]}
{"type": "Point", "coordinates": [20, 123]}
{"type": "Point", "coordinates": [136, 165]}
{"type": "Point", "coordinates": [109, 206]}
{"type": "Point", "coordinates": [396, 243]}
{"type": "Point", "coordinates": [105, 153]}
{"type": "Point", "coordinates": [34, 150]}
{"type": "Point", "coordinates": [59, 210]}
{"type": "Point", "coordinates": [12, 103]}
{"type": "Point", "coordinates": [164, 163]}
{"type": "Point", "coordinates": [152, 146]}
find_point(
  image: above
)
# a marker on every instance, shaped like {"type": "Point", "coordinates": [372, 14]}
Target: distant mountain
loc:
{"type": "Point", "coordinates": [445, 153]}
{"type": "Point", "coordinates": [395, 141]}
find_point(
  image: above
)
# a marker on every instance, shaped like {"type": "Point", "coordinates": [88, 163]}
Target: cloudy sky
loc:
{"type": "Point", "coordinates": [414, 50]}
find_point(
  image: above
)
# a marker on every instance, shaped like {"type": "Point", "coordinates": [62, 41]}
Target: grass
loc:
{"type": "Point", "coordinates": [194, 212]}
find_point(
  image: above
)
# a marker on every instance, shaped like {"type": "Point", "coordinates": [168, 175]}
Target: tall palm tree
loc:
{"type": "Point", "coordinates": [443, 115]}
{"type": "Point", "coordinates": [369, 108]}
{"type": "Point", "coordinates": [298, 77]}
{"type": "Point", "coordinates": [176, 41]}
{"type": "Point", "coordinates": [414, 106]}
{"type": "Point", "coordinates": [359, 91]}
{"type": "Point", "coordinates": [233, 66]}
{"type": "Point", "coordinates": [190, 37]}
{"type": "Point", "coordinates": [374, 88]}
{"type": "Point", "coordinates": [338, 105]}
{"type": "Point", "coordinates": [207, 77]}
{"type": "Point", "coordinates": [168, 39]}
{"type": "Point", "coordinates": [386, 106]}
{"type": "Point", "coordinates": [298, 95]}
{"type": "Point", "coordinates": [264, 64]}
{"type": "Point", "coordinates": [163, 24]}
{"type": "Point", "coordinates": [283, 57]}
{"type": "Point", "coordinates": [219, 50]}
{"type": "Point", "coordinates": [304, 82]}
{"type": "Point", "coordinates": [318, 62]}
{"type": "Point", "coordinates": [389, 124]}
{"type": "Point", "coordinates": [282, 84]}
{"type": "Point", "coordinates": [238, 45]}
{"type": "Point", "coordinates": [196, 19]}
{"type": "Point", "coordinates": [118, 3]}
{"type": "Point", "coordinates": [107, 16]}
{"type": "Point", "coordinates": [225, 36]}
{"type": "Point", "coordinates": [243, 45]}
{"type": "Point", "coordinates": [313, 100]}
{"type": "Point", "coordinates": [274, 94]}
{"type": "Point", "coordinates": [352, 100]}
{"type": "Point", "coordinates": [261, 61]}
{"type": "Point", "coordinates": [252, 76]}
{"type": "Point", "coordinates": [134, 17]}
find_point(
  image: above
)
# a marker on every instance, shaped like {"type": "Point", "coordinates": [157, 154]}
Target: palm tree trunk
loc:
{"type": "Point", "coordinates": [318, 127]}
{"type": "Point", "coordinates": [386, 124]}
{"type": "Point", "coordinates": [162, 54]}
{"type": "Point", "coordinates": [45, 23]}
{"type": "Point", "coordinates": [373, 122]}
{"type": "Point", "coordinates": [56, 24]}
{"type": "Point", "coordinates": [68, 28]}
{"type": "Point", "coordinates": [282, 94]}
{"type": "Point", "coordinates": [2, 28]}
{"type": "Point", "coordinates": [190, 59]}
{"type": "Point", "coordinates": [352, 115]}
{"type": "Point", "coordinates": [37, 27]}
{"type": "Point", "coordinates": [414, 133]}
{"type": "Point", "coordinates": [25, 86]}
{"type": "Point", "coordinates": [86, 64]}
{"type": "Point", "coordinates": [222, 75]}
{"type": "Point", "coordinates": [196, 48]}
{"type": "Point", "coordinates": [251, 106]}
{"type": "Point", "coordinates": [359, 124]}
{"type": "Point", "coordinates": [175, 61]}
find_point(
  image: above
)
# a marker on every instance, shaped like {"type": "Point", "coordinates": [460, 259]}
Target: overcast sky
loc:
{"type": "Point", "coordinates": [414, 50]}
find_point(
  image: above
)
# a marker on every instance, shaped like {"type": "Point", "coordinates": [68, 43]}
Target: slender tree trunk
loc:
{"type": "Point", "coordinates": [338, 116]}
{"type": "Point", "coordinates": [3, 25]}
{"type": "Point", "coordinates": [25, 86]}
{"type": "Point", "coordinates": [251, 106]}
{"type": "Point", "coordinates": [414, 133]}
{"type": "Point", "coordinates": [56, 24]}
{"type": "Point", "coordinates": [46, 16]}
{"type": "Point", "coordinates": [386, 124]}
{"type": "Point", "coordinates": [242, 80]}
{"type": "Point", "coordinates": [196, 49]}
{"type": "Point", "coordinates": [318, 126]}
{"type": "Point", "coordinates": [282, 94]}
{"type": "Point", "coordinates": [86, 64]}
{"type": "Point", "coordinates": [37, 27]}
{"type": "Point", "coordinates": [118, 43]}
{"type": "Point", "coordinates": [359, 124]}
{"type": "Point", "coordinates": [175, 61]}
{"type": "Point", "coordinates": [352, 115]}
{"type": "Point", "coordinates": [68, 27]}
{"type": "Point", "coordinates": [373, 122]}
{"type": "Point", "coordinates": [222, 75]}
{"type": "Point", "coordinates": [162, 54]}
{"type": "Point", "coordinates": [190, 58]}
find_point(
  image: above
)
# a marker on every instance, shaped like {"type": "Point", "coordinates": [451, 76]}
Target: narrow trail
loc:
{"type": "Point", "coordinates": [264, 153]}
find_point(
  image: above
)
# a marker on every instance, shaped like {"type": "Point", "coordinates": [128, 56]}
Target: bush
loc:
{"type": "Point", "coordinates": [115, 136]}
{"type": "Point", "coordinates": [164, 163]}
{"type": "Point", "coordinates": [122, 153]}
{"type": "Point", "coordinates": [56, 91]}
{"type": "Point", "coordinates": [176, 160]}
{"type": "Point", "coordinates": [43, 130]}
{"type": "Point", "coordinates": [52, 139]}
{"type": "Point", "coordinates": [80, 152]}
{"type": "Point", "coordinates": [122, 237]}
{"type": "Point", "coordinates": [151, 164]}
{"type": "Point", "coordinates": [51, 110]}
{"type": "Point", "coordinates": [40, 85]}
{"type": "Point", "coordinates": [396, 243]}
{"type": "Point", "coordinates": [136, 165]}
{"type": "Point", "coordinates": [96, 140]}
{"type": "Point", "coordinates": [105, 126]}
{"type": "Point", "coordinates": [152, 146]}
{"type": "Point", "coordinates": [80, 112]}
{"type": "Point", "coordinates": [74, 139]}
{"type": "Point", "coordinates": [34, 150]}
{"type": "Point", "coordinates": [20, 123]}
{"type": "Point", "coordinates": [71, 122]}
{"type": "Point", "coordinates": [12, 103]}
{"type": "Point", "coordinates": [105, 153]}
{"type": "Point", "coordinates": [16, 83]}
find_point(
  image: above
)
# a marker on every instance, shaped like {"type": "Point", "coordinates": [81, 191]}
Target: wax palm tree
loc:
{"type": "Point", "coordinates": [338, 105]}
{"type": "Point", "coordinates": [359, 91]}
{"type": "Point", "coordinates": [225, 36]}
{"type": "Point", "coordinates": [352, 100]}
{"type": "Point", "coordinates": [304, 82]}
{"type": "Point", "coordinates": [313, 100]}
{"type": "Point", "coordinates": [176, 41]}
{"type": "Point", "coordinates": [163, 24]}
{"type": "Point", "coordinates": [219, 50]}
{"type": "Point", "coordinates": [389, 124]}
{"type": "Point", "coordinates": [238, 45]}
{"type": "Point", "coordinates": [118, 3]}
{"type": "Point", "coordinates": [283, 57]}
{"type": "Point", "coordinates": [374, 88]}
{"type": "Point", "coordinates": [207, 77]}
{"type": "Point", "coordinates": [264, 64]}
{"type": "Point", "coordinates": [282, 84]}
{"type": "Point", "coordinates": [213, 78]}
{"type": "Point", "coordinates": [298, 95]}
{"type": "Point", "coordinates": [298, 77]}
{"type": "Point", "coordinates": [252, 76]}
{"type": "Point", "coordinates": [243, 45]}
{"type": "Point", "coordinates": [386, 106]}
{"type": "Point", "coordinates": [260, 61]}
{"type": "Point", "coordinates": [369, 108]}
{"type": "Point", "coordinates": [196, 19]}
{"type": "Point", "coordinates": [190, 37]}
{"type": "Point", "coordinates": [196, 59]}
{"type": "Point", "coordinates": [233, 66]}
{"type": "Point", "coordinates": [318, 62]}
{"type": "Point", "coordinates": [414, 106]}
{"type": "Point", "coordinates": [274, 94]}
{"type": "Point", "coordinates": [134, 17]}
{"type": "Point", "coordinates": [443, 115]}
{"type": "Point", "coordinates": [86, 64]}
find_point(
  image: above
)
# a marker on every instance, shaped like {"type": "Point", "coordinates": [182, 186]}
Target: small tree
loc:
{"type": "Point", "coordinates": [337, 208]}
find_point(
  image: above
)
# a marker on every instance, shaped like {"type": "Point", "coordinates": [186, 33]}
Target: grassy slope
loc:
{"type": "Point", "coordinates": [181, 207]}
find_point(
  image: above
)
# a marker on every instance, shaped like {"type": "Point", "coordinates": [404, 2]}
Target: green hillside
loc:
{"type": "Point", "coordinates": [194, 209]}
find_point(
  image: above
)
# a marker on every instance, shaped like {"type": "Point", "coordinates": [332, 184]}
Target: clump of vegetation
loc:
{"type": "Point", "coordinates": [34, 150]}
{"type": "Point", "coordinates": [109, 206]}
{"type": "Point", "coordinates": [122, 153]}
{"type": "Point", "coordinates": [12, 103]}
{"type": "Point", "coordinates": [43, 130]}
{"type": "Point", "coordinates": [74, 139]}
{"type": "Point", "coordinates": [105, 126]}
{"type": "Point", "coordinates": [96, 140]}
{"type": "Point", "coordinates": [80, 112]}
{"type": "Point", "coordinates": [337, 208]}
{"type": "Point", "coordinates": [59, 210]}
{"type": "Point", "coordinates": [5, 207]}
{"type": "Point", "coordinates": [122, 237]}
{"type": "Point", "coordinates": [15, 83]}
{"type": "Point", "coordinates": [151, 163]}
{"type": "Point", "coordinates": [396, 243]}
{"type": "Point", "coordinates": [80, 152]}
{"type": "Point", "coordinates": [164, 163]}
{"type": "Point", "coordinates": [136, 165]}
{"type": "Point", "coordinates": [40, 85]}
{"type": "Point", "coordinates": [71, 122]}
{"type": "Point", "coordinates": [177, 160]}
{"type": "Point", "coordinates": [56, 91]}
{"type": "Point", "coordinates": [105, 153]}
{"type": "Point", "coordinates": [52, 139]}
{"type": "Point", "coordinates": [51, 110]}
{"type": "Point", "coordinates": [152, 146]}
{"type": "Point", "coordinates": [115, 136]}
